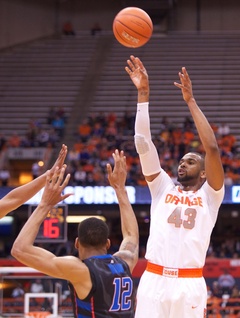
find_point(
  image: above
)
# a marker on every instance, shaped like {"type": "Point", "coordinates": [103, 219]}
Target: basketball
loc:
{"type": "Point", "coordinates": [132, 27]}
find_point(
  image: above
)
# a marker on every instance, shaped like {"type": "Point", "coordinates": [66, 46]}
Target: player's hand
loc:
{"type": "Point", "coordinates": [185, 86]}
{"type": "Point", "coordinates": [137, 73]}
{"type": "Point", "coordinates": [55, 184]}
{"type": "Point", "coordinates": [118, 175]}
{"type": "Point", "coordinates": [60, 160]}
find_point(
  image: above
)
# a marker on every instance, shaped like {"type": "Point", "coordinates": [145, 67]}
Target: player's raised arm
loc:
{"type": "Point", "coordinates": [147, 151]}
{"type": "Point", "coordinates": [23, 248]}
{"type": "Point", "coordinates": [21, 194]}
{"type": "Point", "coordinates": [213, 164]}
{"type": "Point", "coordinates": [117, 178]}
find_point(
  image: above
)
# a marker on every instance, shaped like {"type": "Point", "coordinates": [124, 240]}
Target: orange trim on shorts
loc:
{"type": "Point", "coordinates": [174, 272]}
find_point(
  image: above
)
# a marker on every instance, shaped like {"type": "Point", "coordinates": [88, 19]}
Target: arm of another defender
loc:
{"type": "Point", "coordinates": [117, 179]}
{"type": "Point", "coordinates": [21, 194]}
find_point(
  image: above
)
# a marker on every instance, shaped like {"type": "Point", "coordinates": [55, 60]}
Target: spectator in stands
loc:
{"type": "Point", "coordinates": [4, 176]}
{"type": "Point", "coordinates": [84, 130]}
{"type": "Point", "coordinates": [229, 177]}
{"type": "Point", "coordinates": [42, 138]}
{"type": "Point", "coordinates": [36, 169]}
{"type": "Point", "coordinates": [18, 291]}
{"type": "Point", "coordinates": [53, 137]}
{"type": "Point", "coordinates": [51, 115]}
{"type": "Point", "coordinates": [68, 28]}
{"type": "Point", "coordinates": [111, 117]}
{"type": "Point", "coordinates": [14, 140]}
{"type": "Point", "coordinates": [188, 124]}
{"type": "Point", "coordinates": [226, 282]}
{"type": "Point", "coordinates": [58, 125]}
{"type": "Point", "coordinates": [100, 118]}
{"type": "Point", "coordinates": [20, 195]}
{"type": "Point", "coordinates": [80, 176]}
{"type": "Point", "coordinates": [34, 127]}
{"type": "Point", "coordinates": [188, 136]}
{"type": "Point", "coordinates": [223, 129]}
{"type": "Point", "coordinates": [96, 29]}
{"type": "Point", "coordinates": [214, 128]}
{"type": "Point", "coordinates": [165, 124]}
{"type": "Point", "coordinates": [3, 142]}
{"type": "Point", "coordinates": [234, 300]}
{"type": "Point", "coordinates": [37, 286]}
{"type": "Point", "coordinates": [61, 113]}
{"type": "Point", "coordinates": [111, 132]}
{"type": "Point", "coordinates": [216, 290]}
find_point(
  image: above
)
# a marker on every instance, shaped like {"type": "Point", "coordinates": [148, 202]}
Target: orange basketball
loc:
{"type": "Point", "coordinates": [132, 27]}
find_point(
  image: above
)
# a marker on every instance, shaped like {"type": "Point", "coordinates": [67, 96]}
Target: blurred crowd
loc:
{"type": "Point", "coordinates": [223, 297]}
{"type": "Point", "coordinates": [99, 134]}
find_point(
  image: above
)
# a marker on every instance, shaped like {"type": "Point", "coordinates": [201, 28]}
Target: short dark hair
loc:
{"type": "Point", "coordinates": [93, 232]}
{"type": "Point", "coordinates": [202, 158]}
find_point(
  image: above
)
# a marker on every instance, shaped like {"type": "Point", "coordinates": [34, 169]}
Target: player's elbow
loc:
{"type": "Point", "coordinates": [16, 250]}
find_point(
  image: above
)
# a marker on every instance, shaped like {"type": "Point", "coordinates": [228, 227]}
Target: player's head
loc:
{"type": "Point", "coordinates": [93, 232]}
{"type": "Point", "coordinates": [191, 169]}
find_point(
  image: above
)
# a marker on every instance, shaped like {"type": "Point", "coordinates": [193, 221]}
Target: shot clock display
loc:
{"type": "Point", "coordinates": [54, 227]}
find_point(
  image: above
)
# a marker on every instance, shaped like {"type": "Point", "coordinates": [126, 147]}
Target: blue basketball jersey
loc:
{"type": "Point", "coordinates": [112, 294]}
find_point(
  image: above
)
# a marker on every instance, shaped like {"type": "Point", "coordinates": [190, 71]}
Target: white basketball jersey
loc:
{"type": "Point", "coordinates": [181, 223]}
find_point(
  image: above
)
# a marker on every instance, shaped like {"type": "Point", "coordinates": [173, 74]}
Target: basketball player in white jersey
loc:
{"type": "Point", "coordinates": [182, 216]}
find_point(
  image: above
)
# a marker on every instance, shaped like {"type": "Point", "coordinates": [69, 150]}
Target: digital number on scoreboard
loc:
{"type": "Point", "coordinates": [54, 227]}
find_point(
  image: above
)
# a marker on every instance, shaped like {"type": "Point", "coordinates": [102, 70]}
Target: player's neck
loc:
{"type": "Point", "coordinates": [190, 187]}
{"type": "Point", "coordinates": [89, 252]}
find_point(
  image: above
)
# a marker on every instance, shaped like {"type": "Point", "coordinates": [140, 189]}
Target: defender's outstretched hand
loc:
{"type": "Point", "coordinates": [117, 176]}
{"type": "Point", "coordinates": [60, 159]}
{"type": "Point", "coordinates": [185, 86]}
{"type": "Point", "coordinates": [55, 184]}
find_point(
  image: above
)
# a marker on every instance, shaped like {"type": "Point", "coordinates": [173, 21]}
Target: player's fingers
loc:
{"type": "Point", "coordinates": [66, 180]}
{"type": "Point", "coordinates": [122, 158]}
{"type": "Point", "coordinates": [55, 174]}
{"type": "Point", "coordinates": [65, 196]}
{"type": "Point", "coordinates": [140, 64]}
{"type": "Point", "coordinates": [117, 160]}
{"type": "Point", "coordinates": [109, 169]}
{"type": "Point", "coordinates": [116, 153]}
{"type": "Point", "coordinates": [184, 70]}
{"type": "Point", "coordinates": [48, 180]}
{"type": "Point", "coordinates": [128, 70]}
{"type": "Point", "coordinates": [121, 153]}
{"type": "Point", "coordinates": [131, 65]}
{"type": "Point", "coordinates": [178, 85]}
{"type": "Point", "coordinates": [58, 176]}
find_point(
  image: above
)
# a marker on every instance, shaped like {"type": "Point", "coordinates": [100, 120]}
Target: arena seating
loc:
{"type": "Point", "coordinates": [47, 73]}
{"type": "Point", "coordinates": [53, 73]}
{"type": "Point", "coordinates": [211, 60]}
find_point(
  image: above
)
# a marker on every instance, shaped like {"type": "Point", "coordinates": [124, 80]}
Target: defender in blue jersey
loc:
{"type": "Point", "coordinates": [101, 283]}
{"type": "Point", "coordinates": [112, 293]}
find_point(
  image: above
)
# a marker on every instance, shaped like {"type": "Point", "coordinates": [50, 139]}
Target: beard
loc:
{"type": "Point", "coordinates": [185, 178]}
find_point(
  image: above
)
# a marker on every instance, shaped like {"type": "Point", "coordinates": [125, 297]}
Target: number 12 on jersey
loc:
{"type": "Point", "coordinates": [54, 227]}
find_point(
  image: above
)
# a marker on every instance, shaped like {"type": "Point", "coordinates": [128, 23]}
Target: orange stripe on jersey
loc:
{"type": "Point", "coordinates": [174, 272]}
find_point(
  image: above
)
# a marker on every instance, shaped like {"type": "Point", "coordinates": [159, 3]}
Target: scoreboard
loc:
{"type": "Point", "coordinates": [54, 228]}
